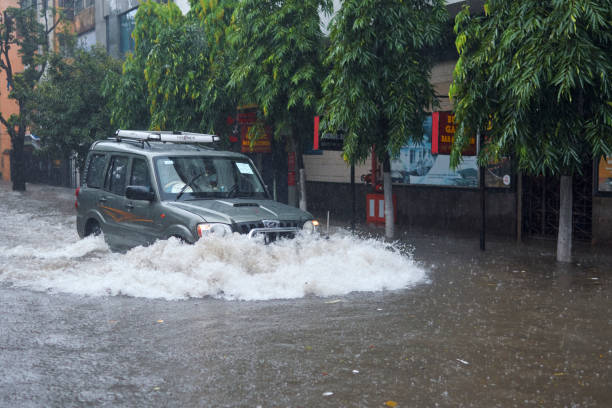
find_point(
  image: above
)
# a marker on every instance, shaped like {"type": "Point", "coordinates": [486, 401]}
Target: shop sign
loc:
{"type": "Point", "coordinates": [415, 164]}
{"type": "Point", "coordinates": [443, 134]}
{"type": "Point", "coordinates": [251, 127]}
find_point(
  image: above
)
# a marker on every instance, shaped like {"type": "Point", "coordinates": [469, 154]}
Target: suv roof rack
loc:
{"type": "Point", "coordinates": [163, 136]}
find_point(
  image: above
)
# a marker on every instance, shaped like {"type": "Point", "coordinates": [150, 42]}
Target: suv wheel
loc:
{"type": "Point", "coordinates": [93, 228]}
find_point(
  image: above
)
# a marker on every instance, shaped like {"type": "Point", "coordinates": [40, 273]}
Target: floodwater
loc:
{"type": "Point", "coordinates": [348, 321]}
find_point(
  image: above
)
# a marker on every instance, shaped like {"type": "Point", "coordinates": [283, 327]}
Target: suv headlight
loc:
{"type": "Point", "coordinates": [311, 226]}
{"type": "Point", "coordinates": [214, 229]}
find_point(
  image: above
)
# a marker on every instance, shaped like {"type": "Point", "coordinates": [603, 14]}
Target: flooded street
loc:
{"type": "Point", "coordinates": [344, 322]}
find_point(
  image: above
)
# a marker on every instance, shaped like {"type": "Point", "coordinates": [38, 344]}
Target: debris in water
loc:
{"type": "Point", "coordinates": [355, 371]}
{"type": "Point", "coordinates": [160, 321]}
{"type": "Point", "coordinates": [391, 404]}
{"type": "Point", "coordinates": [463, 361]}
{"type": "Point", "coordinates": [380, 310]}
{"type": "Point", "coordinates": [327, 393]}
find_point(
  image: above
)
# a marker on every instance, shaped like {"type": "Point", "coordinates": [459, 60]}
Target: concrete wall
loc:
{"type": "Point", "coordinates": [426, 208]}
{"type": "Point", "coordinates": [329, 167]}
{"type": "Point", "coordinates": [602, 220]}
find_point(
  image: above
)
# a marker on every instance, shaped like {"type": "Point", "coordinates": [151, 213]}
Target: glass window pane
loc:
{"type": "Point", "coordinates": [127, 23]}
{"type": "Point", "coordinates": [118, 175]}
{"type": "Point", "coordinates": [140, 174]}
{"type": "Point", "coordinates": [94, 171]}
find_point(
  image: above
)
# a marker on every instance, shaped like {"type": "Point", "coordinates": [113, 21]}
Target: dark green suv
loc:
{"type": "Point", "coordinates": [143, 186]}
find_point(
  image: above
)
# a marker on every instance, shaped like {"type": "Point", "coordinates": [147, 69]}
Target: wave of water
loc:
{"type": "Point", "coordinates": [54, 259]}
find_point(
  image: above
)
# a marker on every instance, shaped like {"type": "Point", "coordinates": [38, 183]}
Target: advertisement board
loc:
{"type": "Point", "coordinates": [250, 127]}
{"type": "Point", "coordinates": [499, 175]}
{"type": "Point", "coordinates": [604, 176]}
{"type": "Point", "coordinates": [443, 135]}
{"type": "Point", "coordinates": [416, 164]}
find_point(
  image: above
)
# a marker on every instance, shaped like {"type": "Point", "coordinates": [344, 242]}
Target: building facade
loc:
{"type": "Point", "coordinates": [431, 197]}
{"type": "Point", "coordinates": [108, 23]}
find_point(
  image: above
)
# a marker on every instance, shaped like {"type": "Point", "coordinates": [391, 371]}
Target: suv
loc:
{"type": "Point", "coordinates": [145, 185]}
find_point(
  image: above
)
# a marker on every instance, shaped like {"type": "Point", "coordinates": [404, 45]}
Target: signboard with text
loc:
{"type": "Point", "coordinates": [443, 134]}
{"type": "Point", "coordinates": [251, 128]}
{"type": "Point", "coordinates": [416, 164]}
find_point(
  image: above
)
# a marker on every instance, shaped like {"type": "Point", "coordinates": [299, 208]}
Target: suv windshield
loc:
{"type": "Point", "coordinates": [192, 177]}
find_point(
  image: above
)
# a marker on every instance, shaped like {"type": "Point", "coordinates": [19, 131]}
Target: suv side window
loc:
{"type": "Point", "coordinates": [95, 175]}
{"type": "Point", "coordinates": [116, 175]}
{"type": "Point", "coordinates": [140, 173]}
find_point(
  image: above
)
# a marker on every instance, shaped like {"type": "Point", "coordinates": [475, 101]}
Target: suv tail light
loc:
{"type": "Point", "coordinates": [76, 194]}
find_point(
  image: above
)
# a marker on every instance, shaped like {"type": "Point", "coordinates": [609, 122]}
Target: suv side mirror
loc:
{"type": "Point", "coordinates": [139, 193]}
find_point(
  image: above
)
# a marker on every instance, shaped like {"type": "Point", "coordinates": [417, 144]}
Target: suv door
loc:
{"type": "Point", "coordinates": [113, 202]}
{"type": "Point", "coordinates": [141, 227]}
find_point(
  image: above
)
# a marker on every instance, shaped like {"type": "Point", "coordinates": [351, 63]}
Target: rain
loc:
{"type": "Point", "coordinates": [350, 320]}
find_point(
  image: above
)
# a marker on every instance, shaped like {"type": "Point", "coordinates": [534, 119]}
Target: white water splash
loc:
{"type": "Point", "coordinates": [230, 268]}
{"type": "Point", "coordinates": [43, 253]}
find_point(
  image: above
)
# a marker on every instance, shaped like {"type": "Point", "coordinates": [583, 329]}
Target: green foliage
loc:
{"type": "Point", "coordinates": [27, 31]}
{"type": "Point", "coordinates": [129, 91]}
{"type": "Point", "coordinates": [176, 77]}
{"type": "Point", "coordinates": [175, 67]}
{"type": "Point", "coordinates": [378, 89]}
{"type": "Point", "coordinates": [68, 110]}
{"type": "Point", "coordinates": [537, 74]}
{"type": "Point", "coordinates": [21, 29]}
{"type": "Point", "coordinates": [278, 47]}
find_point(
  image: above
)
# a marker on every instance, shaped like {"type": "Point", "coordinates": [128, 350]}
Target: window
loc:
{"type": "Point", "coordinates": [116, 175]}
{"type": "Point", "coordinates": [140, 173]}
{"type": "Point", "coordinates": [126, 26]}
{"type": "Point", "coordinates": [80, 5]}
{"type": "Point", "coordinates": [95, 171]}
{"type": "Point", "coordinates": [190, 177]}
{"type": "Point", "coordinates": [67, 6]}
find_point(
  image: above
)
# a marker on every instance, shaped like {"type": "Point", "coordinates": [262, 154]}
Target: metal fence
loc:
{"type": "Point", "coordinates": [42, 169]}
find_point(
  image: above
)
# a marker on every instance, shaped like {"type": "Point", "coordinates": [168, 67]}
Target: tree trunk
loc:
{"type": "Point", "coordinates": [18, 162]}
{"type": "Point", "coordinates": [564, 239]}
{"type": "Point", "coordinates": [388, 194]}
{"type": "Point", "coordinates": [302, 173]}
{"type": "Point", "coordinates": [301, 170]}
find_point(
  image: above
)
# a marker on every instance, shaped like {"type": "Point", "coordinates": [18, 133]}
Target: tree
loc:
{"type": "Point", "coordinates": [187, 71]}
{"type": "Point", "coordinates": [176, 77]}
{"type": "Point", "coordinates": [378, 89]}
{"type": "Point", "coordinates": [534, 76]}
{"type": "Point", "coordinates": [131, 106]}
{"type": "Point", "coordinates": [68, 110]}
{"type": "Point", "coordinates": [278, 47]}
{"type": "Point", "coordinates": [21, 28]}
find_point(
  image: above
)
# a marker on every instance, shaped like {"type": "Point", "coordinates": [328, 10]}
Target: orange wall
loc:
{"type": "Point", "coordinates": [7, 106]}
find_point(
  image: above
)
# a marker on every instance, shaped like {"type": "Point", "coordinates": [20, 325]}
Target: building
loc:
{"type": "Point", "coordinates": [108, 23]}
{"type": "Point", "coordinates": [431, 197]}
{"type": "Point", "coordinates": [8, 106]}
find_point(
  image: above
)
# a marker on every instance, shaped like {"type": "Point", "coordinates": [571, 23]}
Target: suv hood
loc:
{"type": "Point", "coordinates": [237, 210]}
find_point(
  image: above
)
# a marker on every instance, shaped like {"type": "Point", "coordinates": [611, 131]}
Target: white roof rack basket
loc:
{"type": "Point", "coordinates": [159, 136]}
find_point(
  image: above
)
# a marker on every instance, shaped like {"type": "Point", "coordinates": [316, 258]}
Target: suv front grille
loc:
{"type": "Point", "coordinates": [246, 227]}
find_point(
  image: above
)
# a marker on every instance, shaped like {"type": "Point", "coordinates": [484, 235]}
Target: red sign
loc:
{"type": "Point", "coordinates": [291, 178]}
{"type": "Point", "coordinates": [315, 141]}
{"type": "Point", "coordinates": [247, 120]}
{"type": "Point", "coordinates": [291, 161]}
{"type": "Point", "coordinates": [443, 129]}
